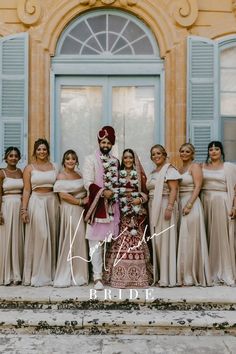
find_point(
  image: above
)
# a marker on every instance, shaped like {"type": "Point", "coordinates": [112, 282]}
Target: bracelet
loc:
{"type": "Point", "coordinates": [189, 205]}
{"type": "Point", "coordinates": [141, 200]}
{"type": "Point", "coordinates": [169, 207]}
{"type": "Point", "coordinates": [23, 210]}
{"type": "Point", "coordinates": [80, 202]}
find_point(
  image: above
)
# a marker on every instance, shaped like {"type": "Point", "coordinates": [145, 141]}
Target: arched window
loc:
{"type": "Point", "coordinates": [107, 34]}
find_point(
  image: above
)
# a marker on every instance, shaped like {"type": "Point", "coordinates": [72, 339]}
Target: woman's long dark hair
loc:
{"type": "Point", "coordinates": [122, 166]}
{"type": "Point", "coordinates": [10, 149]}
{"type": "Point", "coordinates": [216, 144]}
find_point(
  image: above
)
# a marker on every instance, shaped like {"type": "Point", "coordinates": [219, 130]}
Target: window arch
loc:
{"type": "Point", "coordinates": [107, 34]}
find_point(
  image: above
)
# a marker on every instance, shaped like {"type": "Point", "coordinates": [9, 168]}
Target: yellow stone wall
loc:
{"type": "Point", "coordinates": [171, 21]}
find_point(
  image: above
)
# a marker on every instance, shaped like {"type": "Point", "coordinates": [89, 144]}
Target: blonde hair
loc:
{"type": "Point", "coordinates": [190, 146]}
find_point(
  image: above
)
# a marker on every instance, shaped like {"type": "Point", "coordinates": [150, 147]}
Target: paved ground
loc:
{"type": "Point", "coordinates": [116, 344]}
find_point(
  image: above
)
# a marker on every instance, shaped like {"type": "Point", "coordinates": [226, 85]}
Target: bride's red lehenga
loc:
{"type": "Point", "coordinates": [128, 259]}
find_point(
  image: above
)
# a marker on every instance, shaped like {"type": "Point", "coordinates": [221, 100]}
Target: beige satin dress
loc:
{"type": "Point", "coordinates": [164, 234]}
{"type": "Point", "coordinates": [72, 264]}
{"type": "Point", "coordinates": [192, 261]}
{"type": "Point", "coordinates": [11, 232]}
{"type": "Point", "coordinates": [217, 221]}
{"type": "Point", "coordinates": [41, 233]}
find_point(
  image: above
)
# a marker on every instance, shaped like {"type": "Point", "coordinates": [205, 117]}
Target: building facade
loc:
{"type": "Point", "coordinates": [159, 71]}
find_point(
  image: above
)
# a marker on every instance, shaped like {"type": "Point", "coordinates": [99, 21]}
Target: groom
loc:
{"type": "Point", "coordinates": [102, 214]}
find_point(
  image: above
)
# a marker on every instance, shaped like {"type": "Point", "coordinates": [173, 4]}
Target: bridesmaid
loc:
{"type": "Point", "coordinates": [163, 209]}
{"type": "Point", "coordinates": [11, 229]}
{"type": "Point", "coordinates": [40, 212]}
{"type": "Point", "coordinates": [72, 266]}
{"type": "Point", "coordinates": [192, 261]}
{"type": "Point", "coordinates": [219, 180]}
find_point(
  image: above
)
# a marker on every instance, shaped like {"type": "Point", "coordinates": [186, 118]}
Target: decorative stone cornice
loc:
{"type": "Point", "coordinates": [185, 12]}
{"type": "Point", "coordinates": [109, 2]}
{"type": "Point", "coordinates": [29, 11]}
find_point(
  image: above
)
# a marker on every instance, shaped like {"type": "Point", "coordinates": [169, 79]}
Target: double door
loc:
{"type": "Point", "coordinates": [130, 104]}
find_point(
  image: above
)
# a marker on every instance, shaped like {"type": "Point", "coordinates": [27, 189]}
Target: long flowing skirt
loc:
{"type": "Point", "coordinates": [72, 270]}
{"type": "Point", "coordinates": [128, 259]}
{"type": "Point", "coordinates": [164, 243]}
{"type": "Point", "coordinates": [192, 261]}
{"type": "Point", "coordinates": [220, 240]}
{"type": "Point", "coordinates": [11, 240]}
{"type": "Point", "coordinates": [41, 238]}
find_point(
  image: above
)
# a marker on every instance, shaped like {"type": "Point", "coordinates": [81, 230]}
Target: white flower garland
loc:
{"type": "Point", "coordinates": [126, 207]}
{"type": "Point", "coordinates": [110, 179]}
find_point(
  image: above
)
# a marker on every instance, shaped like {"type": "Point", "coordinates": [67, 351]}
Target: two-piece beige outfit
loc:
{"type": "Point", "coordinates": [41, 233]}
{"type": "Point", "coordinates": [11, 232]}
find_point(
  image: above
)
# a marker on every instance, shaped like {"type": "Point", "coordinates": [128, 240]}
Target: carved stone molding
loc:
{"type": "Point", "coordinates": [234, 6]}
{"type": "Point", "coordinates": [185, 12]}
{"type": "Point", "coordinates": [109, 2]}
{"type": "Point", "coordinates": [29, 11]}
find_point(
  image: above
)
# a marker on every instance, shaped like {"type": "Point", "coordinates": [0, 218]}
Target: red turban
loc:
{"type": "Point", "coordinates": [107, 132]}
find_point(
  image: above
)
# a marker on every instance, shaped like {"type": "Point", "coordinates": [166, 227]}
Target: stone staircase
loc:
{"type": "Point", "coordinates": [154, 311]}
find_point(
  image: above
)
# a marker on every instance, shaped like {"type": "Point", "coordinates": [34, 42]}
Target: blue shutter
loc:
{"type": "Point", "coordinates": [14, 93]}
{"type": "Point", "coordinates": [202, 94]}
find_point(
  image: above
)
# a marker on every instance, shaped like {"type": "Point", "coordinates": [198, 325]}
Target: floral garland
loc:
{"type": "Point", "coordinates": [110, 180]}
{"type": "Point", "coordinates": [125, 202]}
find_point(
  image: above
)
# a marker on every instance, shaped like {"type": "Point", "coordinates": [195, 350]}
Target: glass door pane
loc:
{"type": "Point", "coordinates": [228, 138]}
{"type": "Point", "coordinates": [80, 118]}
{"type": "Point", "coordinates": [133, 117]}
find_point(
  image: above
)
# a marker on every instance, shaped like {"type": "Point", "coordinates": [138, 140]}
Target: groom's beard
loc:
{"type": "Point", "coordinates": [105, 151]}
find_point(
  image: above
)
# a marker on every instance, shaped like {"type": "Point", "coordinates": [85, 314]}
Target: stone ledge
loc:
{"type": "Point", "coordinates": [182, 298]}
{"type": "Point", "coordinates": [117, 322]}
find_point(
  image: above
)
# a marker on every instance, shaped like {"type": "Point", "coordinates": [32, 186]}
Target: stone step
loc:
{"type": "Point", "coordinates": [185, 298]}
{"type": "Point", "coordinates": [117, 322]}
{"type": "Point", "coordinates": [111, 344]}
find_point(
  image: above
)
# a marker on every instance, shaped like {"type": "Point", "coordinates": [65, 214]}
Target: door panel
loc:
{"type": "Point", "coordinates": [130, 104]}
{"type": "Point", "coordinates": [80, 118]}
